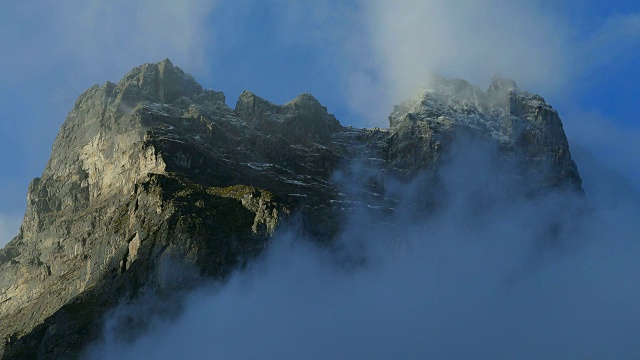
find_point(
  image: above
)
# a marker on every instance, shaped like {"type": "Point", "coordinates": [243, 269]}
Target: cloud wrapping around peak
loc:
{"type": "Point", "coordinates": [405, 42]}
{"type": "Point", "coordinates": [469, 40]}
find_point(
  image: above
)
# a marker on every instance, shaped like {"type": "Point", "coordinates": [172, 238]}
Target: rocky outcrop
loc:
{"type": "Point", "coordinates": [527, 131]}
{"type": "Point", "coordinates": [155, 175]}
{"type": "Point", "coordinates": [303, 120]}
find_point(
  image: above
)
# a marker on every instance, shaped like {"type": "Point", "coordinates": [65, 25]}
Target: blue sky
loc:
{"type": "Point", "coordinates": [357, 57]}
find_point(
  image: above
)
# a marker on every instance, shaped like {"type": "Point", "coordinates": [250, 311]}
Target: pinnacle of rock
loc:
{"type": "Point", "coordinates": [161, 82]}
{"type": "Point", "coordinates": [249, 105]}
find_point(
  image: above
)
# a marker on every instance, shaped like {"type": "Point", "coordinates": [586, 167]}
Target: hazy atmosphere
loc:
{"type": "Point", "coordinates": [462, 283]}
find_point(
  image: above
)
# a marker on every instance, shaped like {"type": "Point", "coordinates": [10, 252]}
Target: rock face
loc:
{"type": "Point", "coordinates": [521, 124]}
{"type": "Point", "coordinates": [154, 175]}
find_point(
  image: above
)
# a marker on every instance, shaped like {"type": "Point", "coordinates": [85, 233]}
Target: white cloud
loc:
{"type": "Point", "coordinates": [402, 43]}
{"type": "Point", "coordinates": [472, 40]}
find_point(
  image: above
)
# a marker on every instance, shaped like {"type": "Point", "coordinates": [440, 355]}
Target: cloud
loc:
{"type": "Point", "coordinates": [9, 227]}
{"type": "Point", "coordinates": [516, 277]}
{"type": "Point", "coordinates": [532, 42]}
{"type": "Point", "coordinates": [614, 145]}
{"type": "Point", "coordinates": [469, 40]}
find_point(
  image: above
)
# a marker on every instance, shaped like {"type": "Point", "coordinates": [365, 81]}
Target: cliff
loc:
{"type": "Point", "coordinates": [154, 174]}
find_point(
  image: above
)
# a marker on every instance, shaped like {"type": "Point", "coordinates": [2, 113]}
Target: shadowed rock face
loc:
{"type": "Point", "coordinates": [527, 130]}
{"type": "Point", "coordinates": [154, 175]}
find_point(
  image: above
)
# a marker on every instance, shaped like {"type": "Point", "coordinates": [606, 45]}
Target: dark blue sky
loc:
{"type": "Point", "coordinates": [357, 57]}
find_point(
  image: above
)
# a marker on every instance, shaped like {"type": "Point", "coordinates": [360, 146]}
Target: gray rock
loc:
{"type": "Point", "coordinates": [154, 175]}
{"type": "Point", "coordinates": [523, 126]}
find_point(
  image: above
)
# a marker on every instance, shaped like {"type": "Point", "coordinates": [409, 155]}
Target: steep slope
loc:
{"type": "Point", "coordinates": [154, 175]}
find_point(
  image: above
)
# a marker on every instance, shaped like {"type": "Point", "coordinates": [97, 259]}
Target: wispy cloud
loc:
{"type": "Point", "coordinates": [409, 40]}
{"type": "Point", "coordinates": [470, 40]}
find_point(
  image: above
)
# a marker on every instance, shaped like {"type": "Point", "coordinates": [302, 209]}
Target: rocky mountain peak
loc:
{"type": "Point", "coordinates": [158, 82]}
{"type": "Point", "coordinates": [307, 115]}
{"type": "Point", "coordinates": [301, 120]}
{"type": "Point", "coordinates": [453, 91]}
{"type": "Point", "coordinates": [459, 96]}
{"type": "Point", "coordinates": [154, 173]}
{"type": "Point", "coordinates": [501, 86]}
{"type": "Point", "coordinates": [251, 106]}
{"type": "Point", "coordinates": [306, 103]}
{"type": "Point", "coordinates": [515, 119]}
{"type": "Point", "coordinates": [439, 97]}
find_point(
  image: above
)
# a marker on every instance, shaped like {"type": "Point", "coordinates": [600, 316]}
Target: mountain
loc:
{"type": "Point", "coordinates": [155, 184]}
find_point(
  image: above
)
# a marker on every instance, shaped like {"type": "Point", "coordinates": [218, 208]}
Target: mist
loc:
{"type": "Point", "coordinates": [490, 274]}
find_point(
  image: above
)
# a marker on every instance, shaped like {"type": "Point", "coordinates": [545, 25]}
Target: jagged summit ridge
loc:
{"type": "Point", "coordinates": [456, 96]}
{"type": "Point", "coordinates": [301, 120]}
